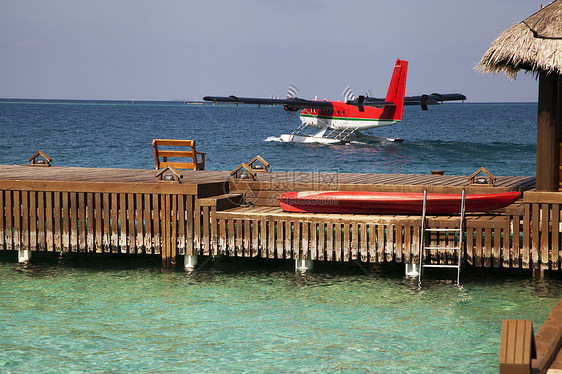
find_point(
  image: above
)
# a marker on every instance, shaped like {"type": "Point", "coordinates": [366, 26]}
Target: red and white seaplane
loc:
{"type": "Point", "coordinates": [341, 122]}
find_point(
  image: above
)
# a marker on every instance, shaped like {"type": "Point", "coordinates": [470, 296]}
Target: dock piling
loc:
{"type": "Point", "coordinates": [190, 262]}
{"type": "Point", "coordinates": [412, 269]}
{"type": "Point", "coordinates": [303, 265]}
{"type": "Point", "coordinates": [24, 256]}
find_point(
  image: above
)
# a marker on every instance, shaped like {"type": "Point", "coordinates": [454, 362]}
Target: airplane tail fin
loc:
{"type": "Point", "coordinates": [396, 91]}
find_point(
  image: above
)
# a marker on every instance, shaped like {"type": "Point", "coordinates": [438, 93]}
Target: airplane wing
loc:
{"type": "Point", "coordinates": [290, 103]}
{"type": "Point", "coordinates": [423, 100]}
{"type": "Point", "coordinates": [433, 99]}
{"type": "Point", "coordinates": [294, 103]}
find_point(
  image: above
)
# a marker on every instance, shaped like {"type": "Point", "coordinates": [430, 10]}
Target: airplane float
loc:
{"type": "Point", "coordinates": [341, 122]}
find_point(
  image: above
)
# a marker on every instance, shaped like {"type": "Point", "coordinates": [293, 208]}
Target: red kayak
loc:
{"type": "Point", "coordinates": [391, 202]}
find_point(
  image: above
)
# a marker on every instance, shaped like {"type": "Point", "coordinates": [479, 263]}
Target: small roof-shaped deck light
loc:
{"type": "Point", "coordinates": [475, 179]}
{"type": "Point", "coordinates": [44, 160]}
{"type": "Point", "coordinates": [169, 174]}
{"type": "Point", "coordinates": [258, 164]}
{"type": "Point", "coordinates": [244, 171]}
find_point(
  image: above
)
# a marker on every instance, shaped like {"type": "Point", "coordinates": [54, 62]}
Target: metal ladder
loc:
{"type": "Point", "coordinates": [459, 246]}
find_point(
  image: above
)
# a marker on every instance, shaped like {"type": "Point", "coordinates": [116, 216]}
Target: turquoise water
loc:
{"type": "Point", "coordinates": [125, 314]}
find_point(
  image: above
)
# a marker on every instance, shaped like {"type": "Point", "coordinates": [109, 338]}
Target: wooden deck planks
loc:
{"type": "Point", "coordinates": [270, 185]}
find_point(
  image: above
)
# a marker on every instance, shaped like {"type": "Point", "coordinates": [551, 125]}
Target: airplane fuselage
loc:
{"type": "Point", "coordinates": [342, 116]}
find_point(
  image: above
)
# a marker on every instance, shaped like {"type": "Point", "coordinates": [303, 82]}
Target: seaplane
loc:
{"type": "Point", "coordinates": [342, 122]}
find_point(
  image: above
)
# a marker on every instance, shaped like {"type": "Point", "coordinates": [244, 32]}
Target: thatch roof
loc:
{"type": "Point", "coordinates": [534, 44]}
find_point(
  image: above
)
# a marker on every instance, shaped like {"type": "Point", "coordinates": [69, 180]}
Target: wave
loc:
{"type": "Point", "coordinates": [274, 139]}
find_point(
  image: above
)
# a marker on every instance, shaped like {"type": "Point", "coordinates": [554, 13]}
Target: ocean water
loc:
{"type": "Point", "coordinates": [124, 314]}
{"type": "Point", "coordinates": [458, 138]}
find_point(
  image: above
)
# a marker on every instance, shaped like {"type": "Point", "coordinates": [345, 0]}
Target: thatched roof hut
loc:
{"type": "Point", "coordinates": [534, 44]}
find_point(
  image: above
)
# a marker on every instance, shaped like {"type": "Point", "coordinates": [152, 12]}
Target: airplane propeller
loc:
{"type": "Point", "coordinates": [424, 102]}
{"type": "Point", "coordinates": [292, 91]}
{"type": "Point", "coordinates": [348, 94]}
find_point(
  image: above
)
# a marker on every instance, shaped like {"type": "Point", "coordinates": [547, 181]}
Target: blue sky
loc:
{"type": "Point", "coordinates": [171, 49]}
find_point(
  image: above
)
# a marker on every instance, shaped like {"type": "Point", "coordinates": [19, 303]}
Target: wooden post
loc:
{"type": "Point", "coordinates": [165, 230]}
{"type": "Point", "coordinates": [548, 124]}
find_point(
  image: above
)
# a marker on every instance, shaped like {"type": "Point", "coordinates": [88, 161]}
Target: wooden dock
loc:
{"type": "Point", "coordinates": [65, 209]}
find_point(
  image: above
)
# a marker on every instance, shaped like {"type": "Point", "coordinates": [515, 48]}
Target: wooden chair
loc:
{"type": "Point", "coordinates": [187, 151]}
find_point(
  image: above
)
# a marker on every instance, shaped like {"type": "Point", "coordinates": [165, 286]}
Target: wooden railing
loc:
{"type": "Point", "coordinates": [527, 236]}
{"type": "Point", "coordinates": [268, 232]}
{"type": "Point", "coordinates": [97, 222]}
{"type": "Point", "coordinates": [541, 229]}
{"type": "Point", "coordinates": [304, 236]}
{"type": "Point", "coordinates": [171, 221]}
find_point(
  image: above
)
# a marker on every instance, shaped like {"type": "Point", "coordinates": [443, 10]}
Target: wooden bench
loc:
{"type": "Point", "coordinates": [187, 151]}
{"type": "Point", "coordinates": [521, 352]}
{"type": "Point", "coordinates": [517, 347]}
